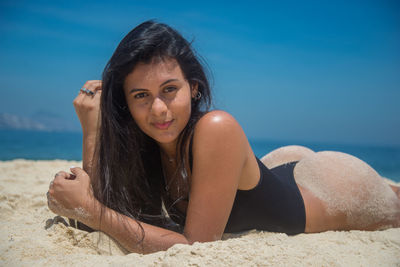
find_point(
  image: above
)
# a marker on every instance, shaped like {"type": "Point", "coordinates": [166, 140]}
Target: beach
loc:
{"type": "Point", "coordinates": [31, 235]}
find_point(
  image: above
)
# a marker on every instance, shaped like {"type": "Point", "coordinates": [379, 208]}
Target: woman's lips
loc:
{"type": "Point", "coordinates": [162, 126]}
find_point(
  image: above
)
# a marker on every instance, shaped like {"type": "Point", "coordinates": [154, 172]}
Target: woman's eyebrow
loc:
{"type": "Point", "coordinates": [136, 90]}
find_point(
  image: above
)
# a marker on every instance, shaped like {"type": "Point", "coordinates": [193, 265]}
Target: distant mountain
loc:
{"type": "Point", "coordinates": [53, 121]}
{"type": "Point", "coordinates": [40, 121]}
{"type": "Point", "coordinates": [10, 121]}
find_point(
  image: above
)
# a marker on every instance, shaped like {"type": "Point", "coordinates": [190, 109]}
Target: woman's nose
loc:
{"type": "Point", "coordinates": [159, 107]}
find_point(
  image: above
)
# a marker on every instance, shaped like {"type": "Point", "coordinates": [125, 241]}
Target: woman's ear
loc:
{"type": "Point", "coordinates": [194, 87]}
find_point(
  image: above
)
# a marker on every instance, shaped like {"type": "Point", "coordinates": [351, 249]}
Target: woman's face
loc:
{"type": "Point", "coordinates": [159, 99]}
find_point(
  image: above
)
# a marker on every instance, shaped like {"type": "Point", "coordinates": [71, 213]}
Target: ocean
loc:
{"type": "Point", "coordinates": [37, 145]}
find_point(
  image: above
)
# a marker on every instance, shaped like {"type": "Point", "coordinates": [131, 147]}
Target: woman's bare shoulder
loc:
{"type": "Point", "coordinates": [217, 126]}
{"type": "Point", "coordinates": [217, 120]}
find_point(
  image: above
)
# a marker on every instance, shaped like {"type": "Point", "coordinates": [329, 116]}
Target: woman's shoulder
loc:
{"type": "Point", "coordinates": [216, 119]}
{"type": "Point", "coordinates": [218, 124]}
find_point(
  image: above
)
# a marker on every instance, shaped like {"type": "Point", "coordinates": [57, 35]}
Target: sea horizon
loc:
{"type": "Point", "coordinates": [42, 145]}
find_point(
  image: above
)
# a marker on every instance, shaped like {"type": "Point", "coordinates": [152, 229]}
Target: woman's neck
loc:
{"type": "Point", "coordinates": [168, 151]}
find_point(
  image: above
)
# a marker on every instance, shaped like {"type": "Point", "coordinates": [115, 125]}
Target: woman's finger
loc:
{"type": "Point", "coordinates": [96, 85]}
{"type": "Point", "coordinates": [90, 87]}
{"type": "Point", "coordinates": [97, 95]}
{"type": "Point", "coordinates": [78, 99]}
{"type": "Point", "coordinates": [81, 174]}
{"type": "Point", "coordinates": [71, 177]}
{"type": "Point", "coordinates": [87, 91]}
{"type": "Point", "coordinates": [59, 177]}
{"type": "Point", "coordinates": [63, 174]}
{"type": "Point", "coordinates": [92, 101]}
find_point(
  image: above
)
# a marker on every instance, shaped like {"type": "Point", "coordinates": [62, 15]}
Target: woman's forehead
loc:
{"type": "Point", "coordinates": [153, 72]}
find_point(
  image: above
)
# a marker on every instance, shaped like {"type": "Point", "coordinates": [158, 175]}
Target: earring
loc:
{"type": "Point", "coordinates": [198, 96]}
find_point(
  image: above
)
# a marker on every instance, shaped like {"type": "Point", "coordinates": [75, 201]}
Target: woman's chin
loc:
{"type": "Point", "coordinates": [165, 139]}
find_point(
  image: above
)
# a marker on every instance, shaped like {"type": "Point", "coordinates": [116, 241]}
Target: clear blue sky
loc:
{"type": "Point", "coordinates": [320, 71]}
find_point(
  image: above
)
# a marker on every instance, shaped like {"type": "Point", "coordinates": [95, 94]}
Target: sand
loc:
{"type": "Point", "coordinates": [31, 235]}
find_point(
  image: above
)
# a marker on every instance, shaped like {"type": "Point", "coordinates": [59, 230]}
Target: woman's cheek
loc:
{"type": "Point", "coordinates": [135, 113]}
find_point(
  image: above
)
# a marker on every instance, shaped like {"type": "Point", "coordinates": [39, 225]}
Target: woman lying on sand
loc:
{"type": "Point", "coordinates": [160, 169]}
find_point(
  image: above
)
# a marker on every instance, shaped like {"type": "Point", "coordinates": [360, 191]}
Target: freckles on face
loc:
{"type": "Point", "coordinates": [159, 99]}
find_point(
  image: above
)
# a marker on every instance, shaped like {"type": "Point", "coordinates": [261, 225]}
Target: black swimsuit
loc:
{"type": "Point", "coordinates": [274, 204]}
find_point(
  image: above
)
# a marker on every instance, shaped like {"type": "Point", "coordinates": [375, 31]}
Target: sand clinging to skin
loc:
{"type": "Point", "coordinates": [31, 235]}
{"type": "Point", "coordinates": [362, 189]}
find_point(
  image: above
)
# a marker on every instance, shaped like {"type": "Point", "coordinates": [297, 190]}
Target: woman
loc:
{"type": "Point", "coordinates": [160, 169]}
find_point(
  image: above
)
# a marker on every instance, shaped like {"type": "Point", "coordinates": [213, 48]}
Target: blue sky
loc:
{"type": "Point", "coordinates": [314, 71]}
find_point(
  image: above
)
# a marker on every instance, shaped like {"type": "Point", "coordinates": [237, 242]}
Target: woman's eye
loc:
{"type": "Point", "coordinates": [140, 95]}
{"type": "Point", "coordinates": [170, 89]}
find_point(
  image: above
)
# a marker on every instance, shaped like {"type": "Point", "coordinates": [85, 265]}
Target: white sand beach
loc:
{"type": "Point", "coordinates": [31, 235]}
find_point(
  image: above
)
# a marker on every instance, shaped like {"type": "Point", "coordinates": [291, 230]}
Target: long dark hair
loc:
{"type": "Point", "coordinates": [129, 174]}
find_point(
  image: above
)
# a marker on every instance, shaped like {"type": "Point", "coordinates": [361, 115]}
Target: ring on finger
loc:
{"type": "Point", "coordinates": [89, 92]}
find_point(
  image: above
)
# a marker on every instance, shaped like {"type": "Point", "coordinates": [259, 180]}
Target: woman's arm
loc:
{"type": "Point", "coordinates": [89, 143]}
{"type": "Point", "coordinates": [129, 234]}
{"type": "Point", "coordinates": [144, 239]}
{"type": "Point", "coordinates": [87, 108]}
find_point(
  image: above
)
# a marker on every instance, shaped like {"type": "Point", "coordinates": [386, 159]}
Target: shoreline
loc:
{"type": "Point", "coordinates": [31, 235]}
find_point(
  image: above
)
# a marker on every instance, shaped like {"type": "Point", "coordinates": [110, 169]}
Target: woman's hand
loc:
{"type": "Point", "coordinates": [71, 195]}
{"type": "Point", "coordinates": [87, 107]}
